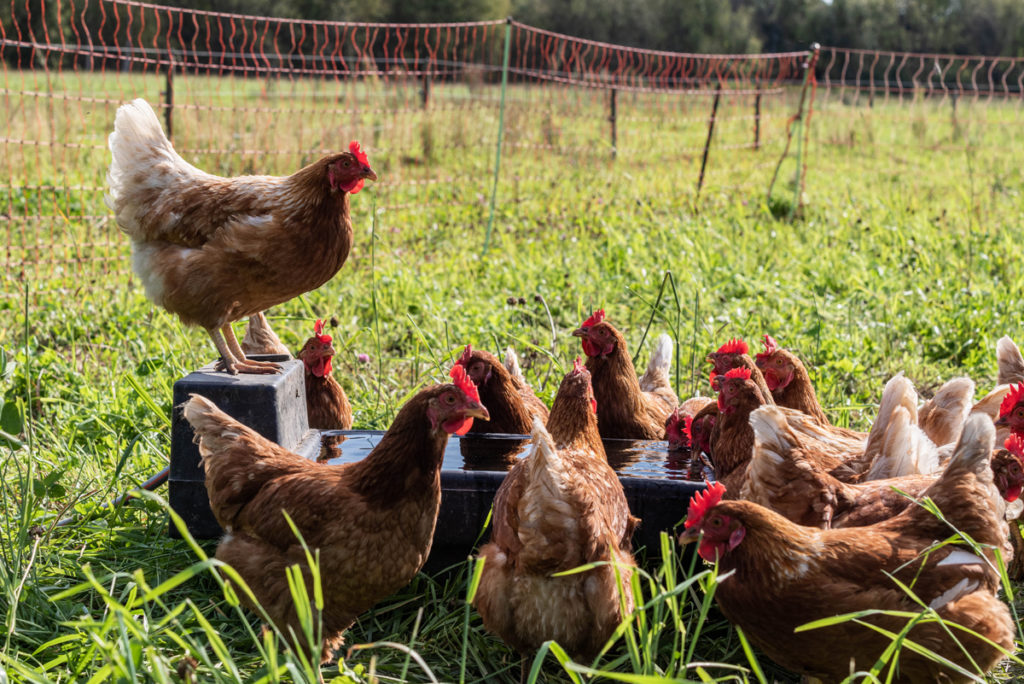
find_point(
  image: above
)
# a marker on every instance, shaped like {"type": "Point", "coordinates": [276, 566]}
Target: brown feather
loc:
{"type": "Point", "coordinates": [559, 508]}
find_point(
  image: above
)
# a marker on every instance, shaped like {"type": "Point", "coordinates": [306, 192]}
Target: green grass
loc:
{"type": "Point", "coordinates": [907, 257]}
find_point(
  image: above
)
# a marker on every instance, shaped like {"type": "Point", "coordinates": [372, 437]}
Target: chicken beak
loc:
{"type": "Point", "coordinates": [579, 332]}
{"type": "Point", "coordinates": [710, 358]}
{"type": "Point", "coordinates": [476, 410]}
{"type": "Point", "coordinates": [689, 535]}
{"type": "Point", "coordinates": [1001, 421]}
{"type": "Point", "coordinates": [369, 174]}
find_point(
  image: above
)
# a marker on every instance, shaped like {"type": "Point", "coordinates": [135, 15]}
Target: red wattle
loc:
{"type": "Point", "coordinates": [353, 187]}
{"type": "Point", "coordinates": [589, 348]}
{"type": "Point", "coordinates": [1012, 493]}
{"type": "Point", "coordinates": [457, 426]}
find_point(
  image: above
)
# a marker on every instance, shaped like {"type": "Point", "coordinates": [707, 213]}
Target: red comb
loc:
{"type": "Point", "coordinates": [318, 330]}
{"type": "Point", "coordinates": [354, 148]}
{"type": "Point", "coordinates": [1015, 444]}
{"type": "Point", "coordinates": [770, 347]}
{"type": "Point", "coordinates": [740, 372]}
{"type": "Point", "coordinates": [577, 367]}
{"type": "Point", "coordinates": [594, 319]}
{"type": "Point", "coordinates": [1011, 399]}
{"type": "Point", "coordinates": [467, 356]}
{"type": "Point", "coordinates": [734, 346]}
{"type": "Point", "coordinates": [462, 381]}
{"type": "Point", "coordinates": [688, 431]}
{"type": "Point", "coordinates": [702, 502]}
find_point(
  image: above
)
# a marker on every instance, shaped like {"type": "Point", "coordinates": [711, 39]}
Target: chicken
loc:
{"type": "Point", "coordinates": [631, 408]}
{"type": "Point", "coordinates": [1008, 472]}
{"type": "Point", "coordinates": [1009, 361]}
{"type": "Point", "coordinates": [372, 522]}
{"type": "Point", "coordinates": [736, 354]}
{"type": "Point", "coordinates": [732, 439]}
{"type": "Point", "coordinates": [781, 477]}
{"type": "Point", "coordinates": [677, 431]}
{"type": "Point", "coordinates": [327, 405]}
{"type": "Point", "coordinates": [510, 401]}
{"type": "Point", "coordinates": [559, 508]}
{"type": "Point", "coordinates": [700, 429]}
{"type": "Point", "coordinates": [214, 250]}
{"type": "Point", "coordinates": [788, 381]}
{"type": "Point", "coordinates": [1011, 410]}
{"type": "Point", "coordinates": [782, 575]}
{"type": "Point", "coordinates": [260, 338]}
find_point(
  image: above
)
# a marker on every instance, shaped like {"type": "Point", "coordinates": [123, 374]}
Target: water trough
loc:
{"type": "Point", "coordinates": [654, 480]}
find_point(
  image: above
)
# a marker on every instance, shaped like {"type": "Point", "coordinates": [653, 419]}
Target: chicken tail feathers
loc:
{"type": "Point", "coordinates": [234, 457]}
{"type": "Point", "coordinates": [139, 151]}
{"type": "Point", "coordinates": [547, 522]}
{"type": "Point", "coordinates": [215, 430]}
{"type": "Point", "coordinates": [657, 373]}
{"type": "Point", "coordinates": [772, 433]}
{"type": "Point", "coordinates": [972, 504]}
{"type": "Point", "coordinates": [511, 363]}
{"type": "Point", "coordinates": [899, 393]}
{"type": "Point", "coordinates": [974, 449]}
{"type": "Point", "coordinates": [1009, 361]}
{"type": "Point", "coordinates": [773, 458]}
{"type": "Point", "coordinates": [260, 338]}
{"type": "Point", "coordinates": [942, 417]}
{"type": "Point", "coordinates": [904, 449]}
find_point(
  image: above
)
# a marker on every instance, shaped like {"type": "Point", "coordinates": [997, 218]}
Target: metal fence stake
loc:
{"type": "Point", "coordinates": [707, 143]}
{"type": "Point", "coordinates": [169, 102]}
{"type": "Point", "coordinates": [501, 131]}
{"type": "Point", "coordinates": [757, 118]}
{"type": "Point", "coordinates": [612, 106]}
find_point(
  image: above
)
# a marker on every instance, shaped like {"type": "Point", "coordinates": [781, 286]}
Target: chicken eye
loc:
{"type": "Point", "coordinates": [715, 522]}
{"type": "Point", "coordinates": [347, 163]}
{"type": "Point", "coordinates": [778, 362]}
{"type": "Point", "coordinates": [449, 399]}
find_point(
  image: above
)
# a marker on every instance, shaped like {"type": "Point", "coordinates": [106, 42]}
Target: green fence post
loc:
{"type": "Point", "coordinates": [501, 130]}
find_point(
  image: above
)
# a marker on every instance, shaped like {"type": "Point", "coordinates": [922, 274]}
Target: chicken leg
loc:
{"type": "Point", "coordinates": [232, 358]}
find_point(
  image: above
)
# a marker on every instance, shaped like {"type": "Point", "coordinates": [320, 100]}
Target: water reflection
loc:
{"type": "Point", "coordinates": [634, 458]}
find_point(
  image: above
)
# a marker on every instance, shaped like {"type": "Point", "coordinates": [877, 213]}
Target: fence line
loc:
{"type": "Point", "coordinates": [251, 94]}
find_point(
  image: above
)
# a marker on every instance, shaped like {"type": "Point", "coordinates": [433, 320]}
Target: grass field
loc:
{"type": "Point", "coordinates": [907, 257]}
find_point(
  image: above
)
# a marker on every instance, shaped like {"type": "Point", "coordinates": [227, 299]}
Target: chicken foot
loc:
{"type": "Point", "coordinates": [236, 349]}
{"type": "Point", "coordinates": [237, 363]}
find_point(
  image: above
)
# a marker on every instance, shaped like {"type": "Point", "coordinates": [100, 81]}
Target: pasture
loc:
{"type": "Point", "coordinates": [905, 257]}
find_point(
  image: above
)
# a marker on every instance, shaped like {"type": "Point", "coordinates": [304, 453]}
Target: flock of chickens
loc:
{"type": "Point", "coordinates": [904, 527]}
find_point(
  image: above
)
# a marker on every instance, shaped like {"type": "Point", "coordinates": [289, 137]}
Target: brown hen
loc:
{"type": "Point", "coordinates": [214, 250]}
{"type": "Point", "coordinates": [372, 522]}
{"type": "Point", "coordinates": [559, 508]}
{"type": "Point", "coordinates": [631, 407]}
{"type": "Point", "coordinates": [510, 401]}
{"type": "Point", "coordinates": [783, 575]}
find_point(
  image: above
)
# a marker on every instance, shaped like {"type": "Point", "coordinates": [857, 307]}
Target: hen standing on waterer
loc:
{"type": "Point", "coordinates": [214, 250]}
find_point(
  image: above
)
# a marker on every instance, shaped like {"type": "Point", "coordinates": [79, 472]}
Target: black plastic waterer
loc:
{"type": "Point", "coordinates": [274, 406]}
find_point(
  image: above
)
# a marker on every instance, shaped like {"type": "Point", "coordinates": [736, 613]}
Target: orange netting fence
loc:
{"type": "Point", "coordinates": [460, 117]}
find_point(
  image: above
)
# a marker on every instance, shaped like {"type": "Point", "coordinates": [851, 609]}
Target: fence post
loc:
{"type": "Point", "coordinates": [169, 101]}
{"type": "Point", "coordinates": [801, 169]}
{"type": "Point", "coordinates": [798, 118]}
{"type": "Point", "coordinates": [612, 106]}
{"type": "Point", "coordinates": [501, 130]}
{"type": "Point", "coordinates": [426, 90]}
{"type": "Point", "coordinates": [707, 143]}
{"type": "Point", "coordinates": [956, 124]}
{"type": "Point", "coordinates": [757, 118]}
